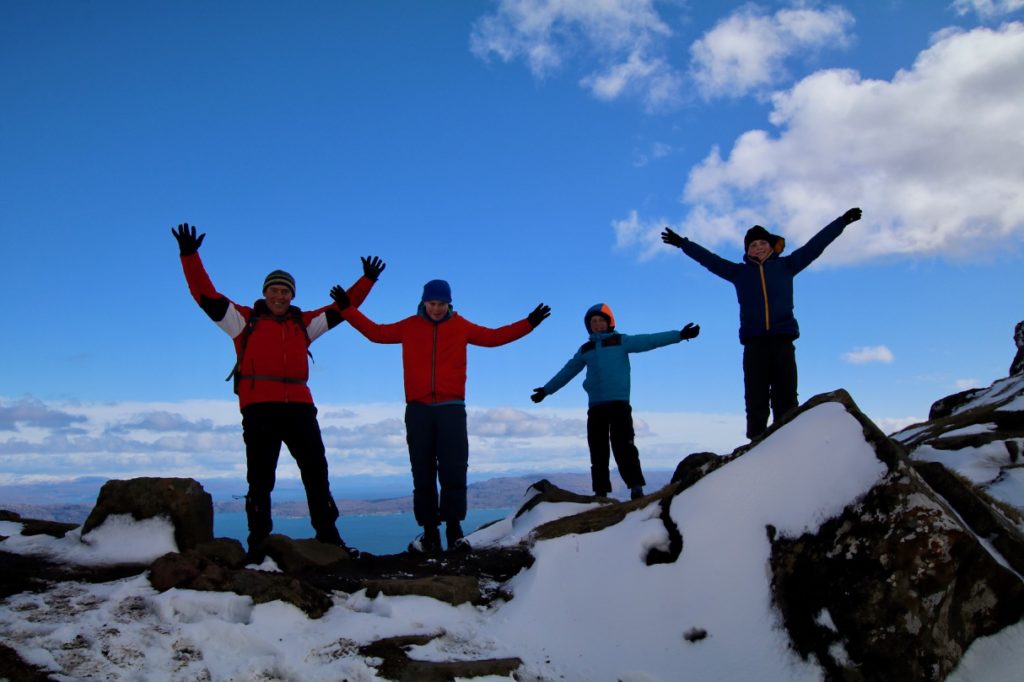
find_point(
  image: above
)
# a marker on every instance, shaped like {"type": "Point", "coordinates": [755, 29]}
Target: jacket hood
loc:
{"type": "Point", "coordinates": [601, 309]}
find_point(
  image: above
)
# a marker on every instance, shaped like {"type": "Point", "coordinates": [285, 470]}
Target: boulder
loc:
{"type": "Point", "coordinates": [1017, 366]}
{"type": "Point", "coordinates": [300, 555]}
{"type": "Point", "coordinates": [898, 586]}
{"type": "Point", "coordinates": [181, 500]}
{"type": "Point", "coordinates": [195, 571]}
{"type": "Point", "coordinates": [453, 589]}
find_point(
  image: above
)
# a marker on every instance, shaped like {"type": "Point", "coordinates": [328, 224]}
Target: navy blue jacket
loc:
{"type": "Point", "coordinates": [606, 357]}
{"type": "Point", "coordinates": [765, 290]}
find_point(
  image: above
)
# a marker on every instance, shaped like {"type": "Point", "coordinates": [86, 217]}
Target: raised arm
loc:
{"type": "Point", "coordinates": [805, 255]}
{"type": "Point", "coordinates": [712, 261]}
{"type": "Point", "coordinates": [216, 305]}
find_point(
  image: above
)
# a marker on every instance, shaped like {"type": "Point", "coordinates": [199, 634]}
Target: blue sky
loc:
{"type": "Point", "coordinates": [524, 151]}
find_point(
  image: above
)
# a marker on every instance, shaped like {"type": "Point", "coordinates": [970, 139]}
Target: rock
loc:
{"type": "Point", "coordinates": [182, 500]}
{"type": "Point", "coordinates": [979, 511]}
{"type": "Point", "coordinates": [191, 570]}
{"type": "Point", "coordinates": [298, 555]}
{"type": "Point", "coordinates": [223, 551]}
{"type": "Point", "coordinates": [694, 467]}
{"type": "Point", "coordinates": [1017, 366]}
{"type": "Point", "coordinates": [395, 663]}
{"type": "Point", "coordinates": [54, 529]}
{"type": "Point", "coordinates": [453, 589]}
{"type": "Point", "coordinates": [896, 583]}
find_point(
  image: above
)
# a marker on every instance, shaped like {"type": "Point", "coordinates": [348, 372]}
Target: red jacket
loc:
{"type": "Point", "coordinates": [275, 364]}
{"type": "Point", "coordinates": [434, 353]}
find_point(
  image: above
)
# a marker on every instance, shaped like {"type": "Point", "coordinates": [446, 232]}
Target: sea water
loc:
{"type": "Point", "coordinates": [374, 533]}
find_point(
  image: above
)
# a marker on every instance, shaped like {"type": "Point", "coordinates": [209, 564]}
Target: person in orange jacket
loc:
{"type": "Point", "coordinates": [434, 343]}
{"type": "Point", "coordinates": [272, 341]}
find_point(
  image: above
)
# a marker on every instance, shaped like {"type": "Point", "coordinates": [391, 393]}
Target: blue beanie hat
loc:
{"type": "Point", "coordinates": [437, 290]}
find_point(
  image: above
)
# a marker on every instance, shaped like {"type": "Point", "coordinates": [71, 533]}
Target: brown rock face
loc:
{"type": "Point", "coordinates": [182, 500]}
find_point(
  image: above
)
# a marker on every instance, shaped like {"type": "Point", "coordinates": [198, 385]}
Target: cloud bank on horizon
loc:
{"type": "Point", "coordinates": [202, 439]}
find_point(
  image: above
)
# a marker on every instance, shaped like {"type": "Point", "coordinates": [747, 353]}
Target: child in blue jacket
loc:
{"type": "Point", "coordinates": [610, 416]}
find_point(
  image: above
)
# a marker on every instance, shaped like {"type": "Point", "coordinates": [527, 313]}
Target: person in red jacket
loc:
{"type": "Point", "coordinates": [272, 341]}
{"type": "Point", "coordinates": [434, 342]}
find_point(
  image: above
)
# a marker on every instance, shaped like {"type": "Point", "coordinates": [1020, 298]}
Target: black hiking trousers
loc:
{"type": "Point", "coordinates": [265, 426]}
{"type": "Point", "coordinates": [612, 422]}
{"type": "Point", "coordinates": [769, 380]}
{"type": "Point", "coordinates": [439, 454]}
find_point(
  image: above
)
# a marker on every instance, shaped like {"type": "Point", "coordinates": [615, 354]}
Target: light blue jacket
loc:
{"type": "Point", "coordinates": [606, 357]}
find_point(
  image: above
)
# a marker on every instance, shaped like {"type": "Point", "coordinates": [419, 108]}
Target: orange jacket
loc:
{"type": "Point", "coordinates": [434, 353]}
{"type": "Point", "coordinates": [274, 367]}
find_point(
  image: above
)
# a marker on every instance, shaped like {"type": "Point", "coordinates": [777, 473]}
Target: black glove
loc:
{"type": "Point", "coordinates": [852, 216]}
{"type": "Point", "coordinates": [188, 243]}
{"type": "Point", "coordinates": [372, 267]}
{"type": "Point", "coordinates": [340, 297]}
{"type": "Point", "coordinates": [690, 331]}
{"type": "Point", "coordinates": [538, 315]}
{"type": "Point", "coordinates": [538, 395]}
{"type": "Point", "coordinates": [672, 239]}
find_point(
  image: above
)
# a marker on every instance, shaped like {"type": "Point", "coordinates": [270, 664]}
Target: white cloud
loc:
{"type": "Point", "coordinates": [966, 384]}
{"type": "Point", "coordinates": [625, 36]}
{"type": "Point", "coordinates": [747, 50]}
{"type": "Point", "coordinates": [932, 156]}
{"type": "Point", "coordinates": [203, 440]}
{"type": "Point", "coordinates": [987, 9]}
{"type": "Point", "coordinates": [866, 354]}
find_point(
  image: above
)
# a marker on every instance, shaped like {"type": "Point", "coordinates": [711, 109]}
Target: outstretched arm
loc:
{"type": "Point", "coordinates": [712, 261]}
{"type": "Point", "coordinates": [486, 336]}
{"type": "Point", "coordinates": [806, 254]}
{"type": "Point", "coordinates": [378, 333]}
{"type": "Point", "coordinates": [562, 377]}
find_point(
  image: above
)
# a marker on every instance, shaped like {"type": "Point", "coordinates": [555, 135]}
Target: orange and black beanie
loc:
{"type": "Point", "coordinates": [604, 311]}
{"type": "Point", "coordinates": [758, 232]}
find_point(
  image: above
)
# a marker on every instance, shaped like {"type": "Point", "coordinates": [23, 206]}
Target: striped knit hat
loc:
{"type": "Point", "coordinates": [279, 278]}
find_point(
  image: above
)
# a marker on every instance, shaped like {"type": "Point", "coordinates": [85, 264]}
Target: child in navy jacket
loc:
{"type": "Point", "coordinates": [610, 416]}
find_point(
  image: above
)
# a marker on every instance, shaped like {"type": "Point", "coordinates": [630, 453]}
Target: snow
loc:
{"type": "Point", "coordinates": [589, 608]}
{"type": "Point", "coordinates": [979, 465]}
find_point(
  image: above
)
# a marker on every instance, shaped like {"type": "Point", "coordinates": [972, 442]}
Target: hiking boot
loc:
{"type": "Point", "coordinates": [452, 532]}
{"type": "Point", "coordinates": [456, 541]}
{"type": "Point", "coordinates": [427, 542]}
{"type": "Point", "coordinates": [332, 537]}
{"type": "Point", "coordinates": [636, 492]}
{"type": "Point", "coordinates": [460, 546]}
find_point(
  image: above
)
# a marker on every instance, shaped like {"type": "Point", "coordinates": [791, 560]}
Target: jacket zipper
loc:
{"type": "Point", "coordinates": [433, 368]}
{"type": "Point", "coordinates": [764, 293]}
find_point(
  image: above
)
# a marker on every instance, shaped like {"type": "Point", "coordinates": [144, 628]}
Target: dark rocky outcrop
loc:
{"type": "Point", "coordinates": [182, 500]}
{"type": "Point", "coordinates": [1017, 366]}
